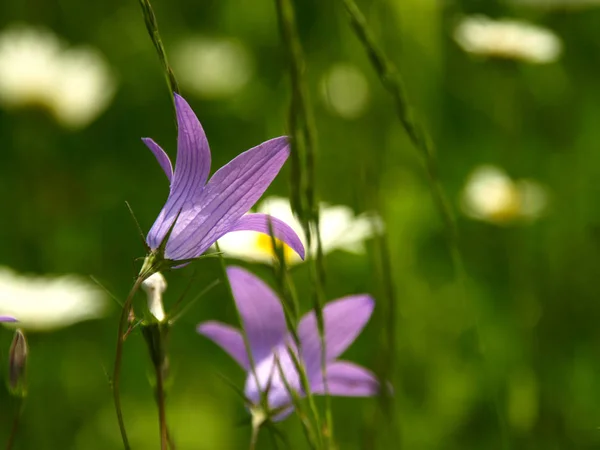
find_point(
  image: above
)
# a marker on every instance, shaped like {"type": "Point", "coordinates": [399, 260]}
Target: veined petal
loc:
{"type": "Point", "coordinates": [269, 378]}
{"type": "Point", "coordinates": [228, 338]}
{"type": "Point", "coordinates": [229, 194]}
{"type": "Point", "coordinates": [347, 379]}
{"type": "Point", "coordinates": [161, 157]}
{"type": "Point", "coordinates": [193, 153]}
{"type": "Point", "coordinates": [261, 312]}
{"type": "Point", "coordinates": [191, 172]}
{"type": "Point", "coordinates": [343, 319]}
{"type": "Point", "coordinates": [263, 223]}
{"type": "Point", "coordinates": [7, 319]}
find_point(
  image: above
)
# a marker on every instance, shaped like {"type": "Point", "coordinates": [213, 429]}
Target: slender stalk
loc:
{"type": "Point", "coordinates": [303, 131]}
{"type": "Point", "coordinates": [393, 83]}
{"type": "Point", "coordinates": [313, 440]}
{"type": "Point", "coordinates": [156, 336]}
{"type": "Point", "coordinates": [288, 298]}
{"type": "Point", "coordinates": [254, 437]}
{"type": "Point", "coordinates": [389, 333]}
{"type": "Point", "coordinates": [116, 378]}
{"type": "Point", "coordinates": [152, 27]}
{"type": "Point", "coordinates": [15, 424]}
{"type": "Point", "coordinates": [162, 416]}
{"type": "Point", "coordinates": [171, 441]}
{"type": "Point", "coordinates": [247, 346]}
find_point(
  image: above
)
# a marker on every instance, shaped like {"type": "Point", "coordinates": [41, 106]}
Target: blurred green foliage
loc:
{"type": "Point", "coordinates": [532, 290]}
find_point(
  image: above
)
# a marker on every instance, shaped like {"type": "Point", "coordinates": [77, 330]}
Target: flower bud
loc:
{"type": "Point", "coordinates": [154, 286]}
{"type": "Point", "coordinates": [17, 363]}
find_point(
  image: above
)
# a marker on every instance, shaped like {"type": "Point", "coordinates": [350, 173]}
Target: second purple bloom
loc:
{"type": "Point", "coordinates": [269, 339]}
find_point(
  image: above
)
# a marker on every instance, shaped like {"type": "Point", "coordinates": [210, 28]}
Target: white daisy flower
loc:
{"type": "Point", "coordinates": [506, 38]}
{"type": "Point", "coordinates": [213, 67]}
{"type": "Point", "coordinates": [340, 229]}
{"type": "Point", "coordinates": [43, 303]}
{"type": "Point", "coordinates": [492, 196]}
{"type": "Point", "coordinates": [37, 68]}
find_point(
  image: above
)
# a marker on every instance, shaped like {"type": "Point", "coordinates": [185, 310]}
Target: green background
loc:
{"type": "Point", "coordinates": [531, 290]}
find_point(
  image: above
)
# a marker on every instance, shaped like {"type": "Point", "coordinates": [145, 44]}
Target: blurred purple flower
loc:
{"type": "Point", "coordinates": [197, 212]}
{"type": "Point", "coordinates": [7, 319]}
{"type": "Point", "coordinates": [269, 339]}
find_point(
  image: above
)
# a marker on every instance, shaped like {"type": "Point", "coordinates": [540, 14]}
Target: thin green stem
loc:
{"type": "Point", "coordinates": [245, 338]}
{"type": "Point", "coordinates": [160, 401]}
{"type": "Point", "coordinates": [156, 339]}
{"type": "Point", "coordinates": [389, 331]}
{"type": "Point", "coordinates": [152, 27]}
{"type": "Point", "coordinates": [254, 437]}
{"type": "Point", "coordinates": [15, 424]}
{"type": "Point", "coordinates": [393, 83]}
{"type": "Point", "coordinates": [311, 437]}
{"type": "Point", "coordinates": [303, 131]}
{"type": "Point", "coordinates": [171, 441]}
{"type": "Point", "coordinates": [116, 378]}
{"type": "Point", "coordinates": [287, 291]}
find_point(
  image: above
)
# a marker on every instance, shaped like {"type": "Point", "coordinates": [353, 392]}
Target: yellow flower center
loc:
{"type": "Point", "coordinates": [509, 209]}
{"type": "Point", "coordinates": [264, 243]}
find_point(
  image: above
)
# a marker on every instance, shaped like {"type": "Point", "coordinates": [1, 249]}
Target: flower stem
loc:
{"type": "Point", "coordinates": [116, 378]}
{"type": "Point", "coordinates": [160, 400]}
{"type": "Point", "coordinates": [152, 28]}
{"type": "Point", "coordinates": [304, 146]}
{"type": "Point", "coordinates": [156, 337]}
{"type": "Point", "coordinates": [392, 82]}
{"type": "Point", "coordinates": [15, 425]}
{"type": "Point", "coordinates": [254, 437]}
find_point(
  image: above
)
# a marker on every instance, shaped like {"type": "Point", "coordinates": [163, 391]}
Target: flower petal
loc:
{"type": "Point", "coordinates": [261, 312]}
{"type": "Point", "coordinates": [343, 319]}
{"type": "Point", "coordinates": [269, 377]}
{"type": "Point", "coordinates": [347, 379]}
{"type": "Point", "coordinates": [161, 157]}
{"type": "Point", "coordinates": [228, 338]}
{"type": "Point", "coordinates": [193, 153]}
{"type": "Point", "coordinates": [283, 414]}
{"type": "Point", "coordinates": [191, 172]}
{"type": "Point", "coordinates": [281, 230]}
{"type": "Point", "coordinates": [229, 194]}
{"type": "Point", "coordinates": [7, 319]}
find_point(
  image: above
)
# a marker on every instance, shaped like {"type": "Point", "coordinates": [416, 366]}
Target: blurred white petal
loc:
{"type": "Point", "coordinates": [28, 65]}
{"type": "Point", "coordinates": [491, 195]}
{"type": "Point", "coordinates": [213, 67]}
{"type": "Point", "coordinates": [45, 303]}
{"type": "Point", "coordinates": [339, 229]}
{"type": "Point", "coordinates": [37, 68]}
{"type": "Point", "coordinates": [84, 89]}
{"type": "Point", "coordinates": [345, 91]}
{"type": "Point", "coordinates": [506, 38]}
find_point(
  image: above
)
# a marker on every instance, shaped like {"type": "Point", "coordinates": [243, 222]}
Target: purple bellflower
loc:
{"type": "Point", "coordinates": [264, 321]}
{"type": "Point", "coordinates": [7, 319]}
{"type": "Point", "coordinates": [199, 211]}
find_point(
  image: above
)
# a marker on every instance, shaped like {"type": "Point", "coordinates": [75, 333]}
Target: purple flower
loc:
{"type": "Point", "coordinates": [269, 339]}
{"type": "Point", "coordinates": [197, 212]}
{"type": "Point", "coordinates": [7, 319]}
